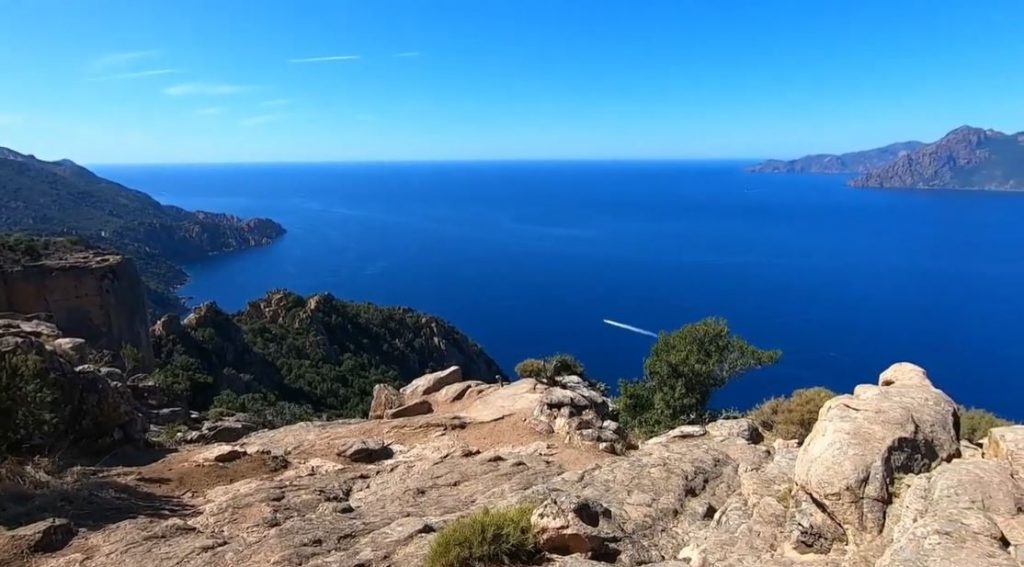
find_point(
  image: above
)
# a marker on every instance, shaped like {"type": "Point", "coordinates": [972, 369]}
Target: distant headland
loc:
{"type": "Point", "coordinates": [965, 158]}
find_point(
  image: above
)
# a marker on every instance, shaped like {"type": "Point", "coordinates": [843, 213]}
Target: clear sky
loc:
{"type": "Point", "coordinates": [231, 80]}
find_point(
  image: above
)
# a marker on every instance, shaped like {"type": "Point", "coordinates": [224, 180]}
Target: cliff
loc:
{"type": "Point", "coordinates": [965, 158]}
{"type": "Point", "coordinates": [64, 199]}
{"type": "Point", "coordinates": [90, 294]}
{"type": "Point", "coordinates": [881, 481]}
{"type": "Point", "coordinates": [852, 162]}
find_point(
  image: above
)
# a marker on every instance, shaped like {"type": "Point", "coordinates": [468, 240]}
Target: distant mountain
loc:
{"type": "Point", "coordinates": [966, 158]}
{"type": "Point", "coordinates": [61, 198]}
{"type": "Point", "coordinates": [853, 162]}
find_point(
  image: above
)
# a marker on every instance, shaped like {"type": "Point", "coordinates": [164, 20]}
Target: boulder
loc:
{"type": "Point", "coordinates": [457, 391]}
{"type": "Point", "coordinates": [419, 407]}
{"type": "Point", "coordinates": [46, 536]}
{"type": "Point", "coordinates": [574, 408]}
{"type": "Point", "coordinates": [861, 442]}
{"type": "Point", "coordinates": [220, 454]}
{"type": "Point", "coordinates": [742, 429]}
{"type": "Point", "coordinates": [430, 383]}
{"type": "Point", "coordinates": [385, 397]}
{"type": "Point", "coordinates": [75, 351]}
{"type": "Point", "coordinates": [222, 431]}
{"type": "Point", "coordinates": [364, 450]}
{"type": "Point", "coordinates": [1007, 444]}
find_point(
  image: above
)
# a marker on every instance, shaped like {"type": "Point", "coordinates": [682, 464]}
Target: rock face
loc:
{"type": "Point", "coordinates": [965, 158]}
{"type": "Point", "coordinates": [861, 442]}
{"type": "Point", "coordinates": [93, 296]}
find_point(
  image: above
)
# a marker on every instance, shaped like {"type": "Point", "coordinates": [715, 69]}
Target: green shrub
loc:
{"type": "Point", "coordinates": [501, 536]}
{"type": "Point", "coordinates": [28, 398]}
{"type": "Point", "coordinates": [532, 368]}
{"type": "Point", "coordinates": [792, 417]}
{"type": "Point", "coordinates": [975, 423]}
{"type": "Point", "coordinates": [131, 358]}
{"type": "Point", "coordinates": [681, 373]}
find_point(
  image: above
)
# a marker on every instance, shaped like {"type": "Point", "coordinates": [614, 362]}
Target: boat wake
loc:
{"type": "Point", "coordinates": [637, 330]}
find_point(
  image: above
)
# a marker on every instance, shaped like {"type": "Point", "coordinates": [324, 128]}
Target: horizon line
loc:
{"type": "Point", "coordinates": [424, 161]}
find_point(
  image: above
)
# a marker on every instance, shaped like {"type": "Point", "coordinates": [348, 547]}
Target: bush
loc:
{"type": "Point", "coordinates": [543, 370]}
{"type": "Point", "coordinates": [792, 417]}
{"type": "Point", "coordinates": [975, 423]}
{"type": "Point", "coordinates": [682, 371]}
{"type": "Point", "coordinates": [28, 398]}
{"type": "Point", "coordinates": [488, 537]}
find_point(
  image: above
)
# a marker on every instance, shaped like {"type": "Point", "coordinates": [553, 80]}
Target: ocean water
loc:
{"type": "Point", "coordinates": [528, 258]}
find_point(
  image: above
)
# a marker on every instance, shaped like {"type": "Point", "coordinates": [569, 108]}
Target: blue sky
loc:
{"type": "Point", "coordinates": [218, 81]}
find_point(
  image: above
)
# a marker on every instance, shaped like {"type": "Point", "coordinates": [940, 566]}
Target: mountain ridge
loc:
{"type": "Point", "coordinates": [849, 162]}
{"type": "Point", "coordinates": [967, 157]}
{"type": "Point", "coordinates": [62, 198]}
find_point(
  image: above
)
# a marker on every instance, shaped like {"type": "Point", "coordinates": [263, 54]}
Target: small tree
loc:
{"type": "Point", "coordinates": [975, 423]}
{"type": "Point", "coordinates": [681, 373]}
{"type": "Point", "coordinates": [554, 366]}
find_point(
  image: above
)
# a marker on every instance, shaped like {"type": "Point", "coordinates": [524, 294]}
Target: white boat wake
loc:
{"type": "Point", "coordinates": [631, 328]}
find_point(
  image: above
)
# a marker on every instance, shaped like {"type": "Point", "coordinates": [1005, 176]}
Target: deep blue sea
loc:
{"type": "Point", "coordinates": [528, 258]}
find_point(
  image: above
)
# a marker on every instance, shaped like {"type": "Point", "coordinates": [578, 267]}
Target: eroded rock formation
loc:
{"type": "Point", "coordinates": [94, 296]}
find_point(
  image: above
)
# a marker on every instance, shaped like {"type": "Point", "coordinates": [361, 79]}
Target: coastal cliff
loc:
{"type": "Point", "coordinates": [89, 294]}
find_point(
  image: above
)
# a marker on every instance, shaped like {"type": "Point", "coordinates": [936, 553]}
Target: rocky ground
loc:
{"type": "Point", "coordinates": [882, 481]}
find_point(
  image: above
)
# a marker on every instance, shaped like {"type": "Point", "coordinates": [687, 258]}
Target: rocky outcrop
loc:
{"type": "Point", "coordinates": [965, 158]}
{"type": "Point", "coordinates": [371, 492]}
{"type": "Point", "coordinates": [94, 296]}
{"type": "Point", "coordinates": [574, 409]}
{"type": "Point", "coordinates": [861, 443]}
{"type": "Point", "coordinates": [84, 407]}
{"type": "Point", "coordinates": [431, 383]}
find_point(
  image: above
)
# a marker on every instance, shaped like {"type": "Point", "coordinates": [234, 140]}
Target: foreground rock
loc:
{"type": "Point", "coordinates": [375, 492]}
{"type": "Point", "coordinates": [861, 442]}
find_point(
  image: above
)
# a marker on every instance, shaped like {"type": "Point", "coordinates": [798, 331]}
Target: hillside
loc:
{"type": "Point", "coordinates": [285, 356]}
{"type": "Point", "coordinates": [965, 158]}
{"type": "Point", "coordinates": [852, 162]}
{"type": "Point", "coordinates": [64, 199]}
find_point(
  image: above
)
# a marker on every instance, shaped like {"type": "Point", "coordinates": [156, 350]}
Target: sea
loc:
{"type": "Point", "coordinates": [531, 258]}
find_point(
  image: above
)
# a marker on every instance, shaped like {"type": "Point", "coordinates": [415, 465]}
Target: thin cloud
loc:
{"type": "Point", "coordinates": [210, 111]}
{"type": "Point", "coordinates": [261, 119]}
{"type": "Point", "coordinates": [325, 58]}
{"type": "Point", "coordinates": [122, 58]}
{"type": "Point", "coordinates": [276, 102]}
{"type": "Point", "coordinates": [137, 75]}
{"type": "Point", "coordinates": [205, 89]}
{"type": "Point", "coordinates": [407, 54]}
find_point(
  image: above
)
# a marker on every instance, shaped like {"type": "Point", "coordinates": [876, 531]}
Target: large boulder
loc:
{"type": "Point", "coordinates": [847, 464]}
{"type": "Point", "coordinates": [430, 383]}
{"type": "Point", "coordinates": [411, 409]}
{"type": "Point", "coordinates": [385, 397]}
{"type": "Point", "coordinates": [1007, 444]}
{"type": "Point", "coordinates": [567, 525]}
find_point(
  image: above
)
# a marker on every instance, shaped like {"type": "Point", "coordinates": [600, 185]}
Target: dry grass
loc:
{"type": "Point", "coordinates": [501, 536]}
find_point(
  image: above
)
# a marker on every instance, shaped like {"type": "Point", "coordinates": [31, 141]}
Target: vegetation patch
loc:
{"type": "Point", "coordinates": [501, 536]}
{"type": "Point", "coordinates": [792, 417]}
{"type": "Point", "coordinates": [975, 423]}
